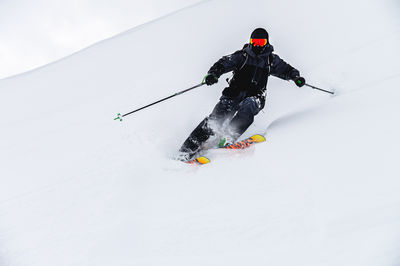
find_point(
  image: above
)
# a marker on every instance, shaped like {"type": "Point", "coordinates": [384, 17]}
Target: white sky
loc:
{"type": "Point", "coordinates": [37, 32]}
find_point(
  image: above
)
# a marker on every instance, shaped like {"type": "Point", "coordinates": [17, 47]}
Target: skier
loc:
{"type": "Point", "coordinates": [245, 95]}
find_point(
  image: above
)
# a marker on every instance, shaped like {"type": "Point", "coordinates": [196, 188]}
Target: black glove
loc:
{"type": "Point", "coordinates": [210, 79]}
{"type": "Point", "coordinates": [300, 81]}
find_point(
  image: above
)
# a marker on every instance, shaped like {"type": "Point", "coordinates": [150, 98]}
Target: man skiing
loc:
{"type": "Point", "coordinates": [245, 95]}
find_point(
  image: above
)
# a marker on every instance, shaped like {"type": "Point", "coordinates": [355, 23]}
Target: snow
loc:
{"type": "Point", "coordinates": [79, 188]}
{"type": "Point", "coordinates": [34, 33]}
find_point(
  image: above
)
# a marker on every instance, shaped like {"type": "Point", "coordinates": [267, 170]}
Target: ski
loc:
{"type": "Point", "coordinates": [199, 160]}
{"type": "Point", "coordinates": [243, 144]}
{"type": "Point", "coordinates": [239, 145]}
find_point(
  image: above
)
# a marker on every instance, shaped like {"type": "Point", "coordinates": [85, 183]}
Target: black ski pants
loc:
{"type": "Point", "coordinates": [239, 112]}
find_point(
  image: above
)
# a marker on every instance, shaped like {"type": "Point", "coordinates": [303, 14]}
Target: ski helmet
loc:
{"type": "Point", "coordinates": [259, 40]}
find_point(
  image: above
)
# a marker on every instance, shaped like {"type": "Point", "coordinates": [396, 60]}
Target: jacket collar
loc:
{"type": "Point", "coordinates": [267, 51]}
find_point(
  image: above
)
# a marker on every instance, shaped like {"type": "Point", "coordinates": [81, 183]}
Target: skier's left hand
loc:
{"type": "Point", "coordinates": [300, 81]}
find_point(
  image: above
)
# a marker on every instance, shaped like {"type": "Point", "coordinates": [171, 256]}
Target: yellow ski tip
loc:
{"type": "Point", "coordinates": [258, 138]}
{"type": "Point", "coordinates": [202, 160]}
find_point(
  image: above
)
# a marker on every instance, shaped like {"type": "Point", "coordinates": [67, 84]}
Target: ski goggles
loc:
{"type": "Point", "coordinates": [258, 42]}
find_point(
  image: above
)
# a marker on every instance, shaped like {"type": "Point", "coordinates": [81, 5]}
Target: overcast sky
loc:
{"type": "Point", "coordinates": [37, 32]}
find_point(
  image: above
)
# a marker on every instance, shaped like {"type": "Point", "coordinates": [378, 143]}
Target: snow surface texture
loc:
{"type": "Point", "coordinates": [81, 189]}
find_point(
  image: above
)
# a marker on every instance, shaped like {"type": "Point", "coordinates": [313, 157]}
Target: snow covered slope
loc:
{"type": "Point", "coordinates": [34, 33]}
{"type": "Point", "coordinates": [79, 188]}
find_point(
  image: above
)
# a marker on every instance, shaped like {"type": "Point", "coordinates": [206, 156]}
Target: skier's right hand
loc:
{"type": "Point", "coordinates": [300, 81]}
{"type": "Point", "coordinates": [210, 79]}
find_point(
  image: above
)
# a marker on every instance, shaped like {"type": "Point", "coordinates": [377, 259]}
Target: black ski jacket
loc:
{"type": "Point", "coordinates": [251, 71]}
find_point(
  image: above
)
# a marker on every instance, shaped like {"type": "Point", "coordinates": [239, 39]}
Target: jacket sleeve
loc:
{"type": "Point", "coordinates": [281, 69]}
{"type": "Point", "coordinates": [228, 63]}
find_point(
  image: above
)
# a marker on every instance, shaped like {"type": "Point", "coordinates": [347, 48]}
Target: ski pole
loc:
{"type": "Point", "coordinates": [331, 92]}
{"type": "Point", "coordinates": [119, 116]}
